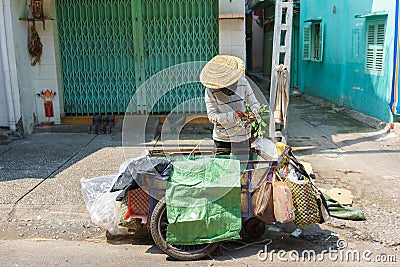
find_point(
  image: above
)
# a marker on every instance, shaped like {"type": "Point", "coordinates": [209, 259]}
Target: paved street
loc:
{"type": "Point", "coordinates": [42, 213]}
{"type": "Point", "coordinates": [73, 253]}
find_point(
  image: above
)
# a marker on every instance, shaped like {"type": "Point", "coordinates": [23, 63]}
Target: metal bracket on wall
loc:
{"type": "Point", "coordinates": [43, 20]}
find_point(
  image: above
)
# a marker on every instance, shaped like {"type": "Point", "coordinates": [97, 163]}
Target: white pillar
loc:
{"type": "Point", "coordinates": [6, 69]}
{"type": "Point", "coordinates": [232, 28]}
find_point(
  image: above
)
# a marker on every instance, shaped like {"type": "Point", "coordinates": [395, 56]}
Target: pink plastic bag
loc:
{"type": "Point", "coordinates": [283, 202]}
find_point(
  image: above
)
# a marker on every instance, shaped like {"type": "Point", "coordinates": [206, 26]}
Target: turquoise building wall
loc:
{"type": "Point", "coordinates": [340, 77]}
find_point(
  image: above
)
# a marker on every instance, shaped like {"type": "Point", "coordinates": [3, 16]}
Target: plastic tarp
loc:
{"type": "Point", "coordinates": [144, 172]}
{"type": "Point", "coordinates": [339, 211]}
{"type": "Point", "coordinates": [203, 201]}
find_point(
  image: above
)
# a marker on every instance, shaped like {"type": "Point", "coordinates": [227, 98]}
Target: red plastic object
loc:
{"type": "Point", "coordinates": [138, 205]}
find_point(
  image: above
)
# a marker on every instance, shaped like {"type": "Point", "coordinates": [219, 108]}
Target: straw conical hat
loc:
{"type": "Point", "coordinates": [222, 71]}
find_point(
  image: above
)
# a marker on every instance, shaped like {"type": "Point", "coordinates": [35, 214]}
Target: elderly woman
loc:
{"type": "Point", "coordinates": [227, 92]}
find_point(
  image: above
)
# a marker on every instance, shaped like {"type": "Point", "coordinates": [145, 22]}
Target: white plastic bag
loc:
{"type": "Point", "coordinates": [266, 146]}
{"type": "Point", "coordinates": [101, 204]}
{"type": "Point", "coordinates": [296, 177]}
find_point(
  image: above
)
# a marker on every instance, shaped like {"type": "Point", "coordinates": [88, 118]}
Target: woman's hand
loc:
{"type": "Point", "coordinates": [247, 118]}
{"type": "Point", "coordinates": [240, 113]}
{"type": "Point", "coordinates": [251, 117]}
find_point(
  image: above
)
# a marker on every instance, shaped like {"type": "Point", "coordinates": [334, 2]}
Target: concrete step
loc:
{"type": "Point", "coordinates": [4, 139]}
{"type": "Point", "coordinates": [5, 136]}
{"type": "Point", "coordinates": [63, 128]}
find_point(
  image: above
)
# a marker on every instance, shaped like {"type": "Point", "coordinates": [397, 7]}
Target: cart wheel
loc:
{"type": "Point", "coordinates": [158, 229]}
{"type": "Point", "coordinates": [254, 228]}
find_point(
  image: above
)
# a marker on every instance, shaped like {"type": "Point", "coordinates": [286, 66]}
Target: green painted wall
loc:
{"type": "Point", "coordinates": [341, 78]}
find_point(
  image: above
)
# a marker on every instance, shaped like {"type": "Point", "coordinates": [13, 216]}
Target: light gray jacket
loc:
{"type": "Point", "coordinates": [221, 111]}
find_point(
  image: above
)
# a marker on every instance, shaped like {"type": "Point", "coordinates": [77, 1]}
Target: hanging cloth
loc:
{"type": "Point", "coordinates": [281, 97]}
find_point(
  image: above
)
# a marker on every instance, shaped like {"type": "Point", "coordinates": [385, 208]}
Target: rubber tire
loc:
{"type": "Point", "coordinates": [171, 250]}
{"type": "Point", "coordinates": [253, 228]}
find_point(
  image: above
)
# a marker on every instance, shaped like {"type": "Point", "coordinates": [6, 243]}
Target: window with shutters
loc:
{"type": "Point", "coordinates": [374, 60]}
{"type": "Point", "coordinates": [313, 41]}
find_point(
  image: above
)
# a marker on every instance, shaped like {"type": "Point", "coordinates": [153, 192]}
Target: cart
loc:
{"type": "Point", "coordinates": [252, 227]}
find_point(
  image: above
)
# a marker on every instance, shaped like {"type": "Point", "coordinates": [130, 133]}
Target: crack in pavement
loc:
{"type": "Point", "coordinates": [48, 176]}
{"type": "Point", "coordinates": [5, 151]}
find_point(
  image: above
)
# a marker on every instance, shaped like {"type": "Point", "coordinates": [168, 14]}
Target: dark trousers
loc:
{"type": "Point", "coordinates": [239, 148]}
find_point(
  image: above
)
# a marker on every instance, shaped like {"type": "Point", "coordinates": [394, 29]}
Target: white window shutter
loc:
{"type": "Point", "coordinates": [374, 62]}
{"type": "Point", "coordinates": [307, 42]}
{"type": "Point", "coordinates": [321, 42]}
{"type": "Point", "coordinates": [370, 46]}
{"type": "Point", "coordinates": [380, 42]}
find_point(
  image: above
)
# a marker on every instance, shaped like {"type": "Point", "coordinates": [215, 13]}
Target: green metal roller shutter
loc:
{"type": "Point", "coordinates": [109, 48]}
{"type": "Point", "coordinates": [175, 32]}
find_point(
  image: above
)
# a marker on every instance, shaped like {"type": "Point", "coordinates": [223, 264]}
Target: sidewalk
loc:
{"type": "Point", "coordinates": [347, 154]}
{"type": "Point", "coordinates": [40, 175]}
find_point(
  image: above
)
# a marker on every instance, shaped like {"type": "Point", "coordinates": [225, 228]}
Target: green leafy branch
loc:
{"type": "Point", "coordinates": [259, 128]}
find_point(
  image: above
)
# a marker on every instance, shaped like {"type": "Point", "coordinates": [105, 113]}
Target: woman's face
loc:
{"type": "Point", "coordinates": [229, 90]}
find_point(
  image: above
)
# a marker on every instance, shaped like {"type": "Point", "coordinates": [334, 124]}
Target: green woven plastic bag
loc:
{"type": "Point", "coordinates": [203, 201]}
